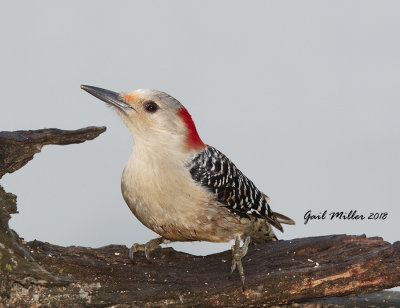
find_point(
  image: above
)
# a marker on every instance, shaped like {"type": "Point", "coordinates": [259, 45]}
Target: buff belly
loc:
{"type": "Point", "coordinates": [171, 204]}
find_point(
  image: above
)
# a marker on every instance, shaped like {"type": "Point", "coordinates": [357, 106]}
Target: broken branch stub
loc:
{"type": "Point", "coordinates": [19, 147]}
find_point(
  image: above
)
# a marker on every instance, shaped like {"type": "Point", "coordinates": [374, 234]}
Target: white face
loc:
{"type": "Point", "coordinates": [155, 119]}
{"type": "Point", "coordinates": [154, 116]}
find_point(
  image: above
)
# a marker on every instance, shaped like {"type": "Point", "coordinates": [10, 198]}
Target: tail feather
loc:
{"type": "Point", "coordinates": [283, 219]}
{"type": "Point", "coordinates": [275, 222]}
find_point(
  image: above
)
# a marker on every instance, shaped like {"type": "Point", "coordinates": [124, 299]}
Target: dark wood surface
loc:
{"type": "Point", "coordinates": [276, 272]}
{"type": "Point", "coordinates": [324, 271]}
{"type": "Point", "coordinates": [17, 148]}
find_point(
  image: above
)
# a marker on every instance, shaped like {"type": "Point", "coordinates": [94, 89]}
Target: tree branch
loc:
{"type": "Point", "coordinates": [276, 272]}
{"type": "Point", "coordinates": [17, 148]}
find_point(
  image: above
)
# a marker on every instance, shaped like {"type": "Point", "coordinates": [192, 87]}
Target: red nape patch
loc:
{"type": "Point", "coordinates": [193, 140]}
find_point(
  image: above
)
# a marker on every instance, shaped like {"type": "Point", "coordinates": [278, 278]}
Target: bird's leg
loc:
{"type": "Point", "coordinates": [237, 254]}
{"type": "Point", "coordinates": [148, 247]}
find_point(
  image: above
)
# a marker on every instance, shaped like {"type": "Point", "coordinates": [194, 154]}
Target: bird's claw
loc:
{"type": "Point", "coordinates": [237, 254]}
{"type": "Point", "coordinates": [140, 247]}
{"type": "Point", "coordinates": [147, 248]}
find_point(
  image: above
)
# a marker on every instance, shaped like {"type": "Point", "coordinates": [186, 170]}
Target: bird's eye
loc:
{"type": "Point", "coordinates": [150, 106]}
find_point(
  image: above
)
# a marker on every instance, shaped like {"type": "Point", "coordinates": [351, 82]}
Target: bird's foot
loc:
{"type": "Point", "coordinates": [147, 248]}
{"type": "Point", "coordinates": [237, 254]}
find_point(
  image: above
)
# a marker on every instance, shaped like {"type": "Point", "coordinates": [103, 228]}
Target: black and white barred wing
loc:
{"type": "Point", "coordinates": [231, 187]}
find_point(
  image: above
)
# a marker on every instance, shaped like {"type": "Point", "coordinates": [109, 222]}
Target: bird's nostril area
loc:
{"type": "Point", "coordinates": [129, 97]}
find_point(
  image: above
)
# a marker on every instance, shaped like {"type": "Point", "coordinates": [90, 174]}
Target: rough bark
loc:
{"type": "Point", "coordinates": [276, 272]}
{"type": "Point", "coordinates": [307, 270]}
{"type": "Point", "coordinates": [17, 148]}
{"type": "Point", "coordinates": [17, 265]}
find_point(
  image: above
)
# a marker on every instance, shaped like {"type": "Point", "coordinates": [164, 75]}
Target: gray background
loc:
{"type": "Point", "coordinates": [303, 96]}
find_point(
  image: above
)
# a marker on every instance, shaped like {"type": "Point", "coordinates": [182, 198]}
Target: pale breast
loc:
{"type": "Point", "coordinates": [166, 200]}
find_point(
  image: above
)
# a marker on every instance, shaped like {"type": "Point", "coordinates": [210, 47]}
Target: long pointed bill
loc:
{"type": "Point", "coordinates": [110, 97]}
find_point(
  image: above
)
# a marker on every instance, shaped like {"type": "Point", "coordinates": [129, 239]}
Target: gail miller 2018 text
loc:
{"type": "Point", "coordinates": [341, 215]}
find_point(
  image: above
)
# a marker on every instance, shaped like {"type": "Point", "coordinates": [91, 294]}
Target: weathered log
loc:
{"type": "Point", "coordinates": [17, 148]}
{"type": "Point", "coordinates": [382, 299]}
{"type": "Point", "coordinates": [17, 266]}
{"type": "Point", "coordinates": [282, 272]}
{"type": "Point", "coordinates": [276, 272]}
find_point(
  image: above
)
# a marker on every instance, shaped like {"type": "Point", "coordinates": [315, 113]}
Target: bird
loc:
{"type": "Point", "coordinates": [182, 188]}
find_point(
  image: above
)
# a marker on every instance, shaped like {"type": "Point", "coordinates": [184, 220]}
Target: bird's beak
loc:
{"type": "Point", "coordinates": [110, 97]}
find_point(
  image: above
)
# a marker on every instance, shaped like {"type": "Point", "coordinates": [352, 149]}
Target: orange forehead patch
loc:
{"type": "Point", "coordinates": [130, 97]}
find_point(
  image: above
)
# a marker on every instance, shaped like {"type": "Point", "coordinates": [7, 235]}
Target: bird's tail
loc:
{"type": "Point", "coordinates": [283, 219]}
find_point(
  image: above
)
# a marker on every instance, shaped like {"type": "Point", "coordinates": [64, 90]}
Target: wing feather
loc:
{"type": "Point", "coordinates": [231, 187]}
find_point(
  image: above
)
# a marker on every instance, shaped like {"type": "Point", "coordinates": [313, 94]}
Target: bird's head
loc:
{"type": "Point", "coordinates": [153, 117]}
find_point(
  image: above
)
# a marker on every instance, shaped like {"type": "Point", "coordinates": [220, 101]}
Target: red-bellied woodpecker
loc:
{"type": "Point", "coordinates": [181, 188]}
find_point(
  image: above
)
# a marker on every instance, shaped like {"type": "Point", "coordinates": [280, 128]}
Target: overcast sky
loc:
{"type": "Point", "coordinates": [303, 96]}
